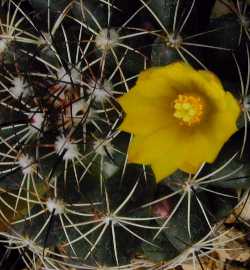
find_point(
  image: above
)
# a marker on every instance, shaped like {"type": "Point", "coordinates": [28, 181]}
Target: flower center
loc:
{"type": "Point", "coordinates": [188, 109]}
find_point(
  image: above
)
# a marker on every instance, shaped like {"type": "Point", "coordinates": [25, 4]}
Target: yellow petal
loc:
{"type": "Point", "coordinates": [164, 150]}
{"type": "Point", "coordinates": [160, 144]}
{"type": "Point", "coordinates": [145, 114]}
{"type": "Point", "coordinates": [163, 161]}
{"type": "Point", "coordinates": [163, 168]}
{"type": "Point", "coordinates": [210, 77]}
{"type": "Point", "coordinates": [166, 81]}
{"type": "Point", "coordinates": [160, 139]}
{"type": "Point", "coordinates": [201, 149]}
{"type": "Point", "coordinates": [210, 85]}
{"type": "Point", "coordinates": [189, 167]}
{"type": "Point", "coordinates": [206, 143]}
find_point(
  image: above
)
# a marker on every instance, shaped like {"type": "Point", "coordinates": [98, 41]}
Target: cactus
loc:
{"type": "Point", "coordinates": [69, 197]}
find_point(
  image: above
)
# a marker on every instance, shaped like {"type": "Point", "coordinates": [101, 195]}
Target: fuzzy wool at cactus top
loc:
{"type": "Point", "coordinates": [180, 118]}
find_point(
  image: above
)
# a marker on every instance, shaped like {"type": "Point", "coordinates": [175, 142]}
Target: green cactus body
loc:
{"type": "Point", "coordinates": [69, 197]}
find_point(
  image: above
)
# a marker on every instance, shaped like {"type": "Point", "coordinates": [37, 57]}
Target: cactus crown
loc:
{"type": "Point", "coordinates": [70, 198]}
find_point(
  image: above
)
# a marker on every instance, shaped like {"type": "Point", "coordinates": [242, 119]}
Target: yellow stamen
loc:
{"type": "Point", "coordinates": [188, 109]}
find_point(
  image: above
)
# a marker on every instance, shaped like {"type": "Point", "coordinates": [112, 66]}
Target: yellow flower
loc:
{"type": "Point", "coordinates": [180, 118]}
